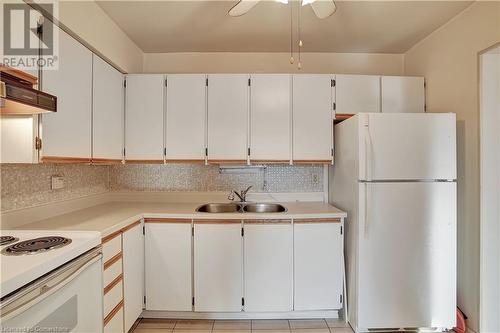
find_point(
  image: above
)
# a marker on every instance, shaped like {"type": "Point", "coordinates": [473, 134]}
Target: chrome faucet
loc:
{"type": "Point", "coordinates": [242, 194]}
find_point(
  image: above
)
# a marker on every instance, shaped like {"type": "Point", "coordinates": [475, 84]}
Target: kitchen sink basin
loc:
{"type": "Point", "coordinates": [241, 208]}
{"type": "Point", "coordinates": [219, 208]}
{"type": "Point", "coordinates": [264, 208]}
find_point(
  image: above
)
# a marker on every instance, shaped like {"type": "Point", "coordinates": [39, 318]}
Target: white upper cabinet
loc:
{"type": "Point", "coordinates": [144, 117]}
{"type": "Point", "coordinates": [270, 114]}
{"type": "Point", "coordinates": [108, 111]}
{"type": "Point", "coordinates": [218, 271]}
{"type": "Point", "coordinates": [268, 253]}
{"type": "Point", "coordinates": [67, 132]}
{"type": "Point", "coordinates": [186, 113]}
{"type": "Point", "coordinates": [357, 93]}
{"type": "Point", "coordinates": [403, 94]}
{"type": "Point", "coordinates": [133, 274]}
{"type": "Point", "coordinates": [228, 117]}
{"type": "Point", "coordinates": [313, 116]}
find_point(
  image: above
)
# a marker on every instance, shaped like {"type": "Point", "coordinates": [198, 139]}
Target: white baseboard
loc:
{"type": "Point", "coordinates": [241, 315]}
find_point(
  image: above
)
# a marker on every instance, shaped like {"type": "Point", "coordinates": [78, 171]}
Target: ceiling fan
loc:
{"type": "Point", "coordinates": [322, 8]}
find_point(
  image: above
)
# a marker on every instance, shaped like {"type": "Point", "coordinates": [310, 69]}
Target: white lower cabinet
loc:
{"type": "Point", "coordinates": [115, 325]}
{"type": "Point", "coordinates": [168, 265]}
{"type": "Point", "coordinates": [218, 265]}
{"type": "Point", "coordinates": [268, 258]}
{"type": "Point", "coordinates": [318, 264]}
{"type": "Point", "coordinates": [133, 274]}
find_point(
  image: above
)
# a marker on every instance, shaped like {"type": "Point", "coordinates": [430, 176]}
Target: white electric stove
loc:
{"type": "Point", "coordinates": [51, 280]}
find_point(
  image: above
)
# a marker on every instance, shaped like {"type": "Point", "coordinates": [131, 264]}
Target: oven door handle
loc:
{"type": "Point", "coordinates": [39, 290]}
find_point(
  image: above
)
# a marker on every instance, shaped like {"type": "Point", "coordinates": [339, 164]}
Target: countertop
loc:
{"type": "Point", "coordinates": [110, 217]}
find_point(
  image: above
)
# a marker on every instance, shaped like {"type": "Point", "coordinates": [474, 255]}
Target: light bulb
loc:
{"type": "Point", "coordinates": [291, 60]}
{"type": "Point", "coordinates": [299, 66]}
{"type": "Point", "coordinates": [285, 2]}
{"type": "Point", "coordinates": [300, 43]}
{"type": "Point", "coordinates": [307, 2]}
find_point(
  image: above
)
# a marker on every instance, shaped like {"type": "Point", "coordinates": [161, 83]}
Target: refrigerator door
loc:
{"type": "Point", "coordinates": [407, 255]}
{"type": "Point", "coordinates": [406, 146]}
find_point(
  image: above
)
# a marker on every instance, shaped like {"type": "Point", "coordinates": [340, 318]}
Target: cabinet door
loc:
{"type": "Point", "coordinates": [268, 251]}
{"type": "Point", "coordinates": [185, 124]}
{"type": "Point", "coordinates": [133, 274]}
{"type": "Point", "coordinates": [270, 127]}
{"type": "Point", "coordinates": [108, 111]}
{"type": "Point", "coordinates": [402, 94]}
{"type": "Point", "coordinates": [228, 117]}
{"type": "Point", "coordinates": [17, 139]}
{"type": "Point", "coordinates": [357, 93]}
{"type": "Point", "coordinates": [218, 266]}
{"type": "Point", "coordinates": [168, 266]}
{"type": "Point", "coordinates": [318, 267]}
{"type": "Point", "coordinates": [313, 116]}
{"type": "Point", "coordinates": [144, 117]}
{"type": "Point", "coordinates": [67, 132]}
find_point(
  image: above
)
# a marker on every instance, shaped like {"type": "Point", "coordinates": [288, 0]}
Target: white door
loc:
{"type": "Point", "coordinates": [227, 117]}
{"type": "Point", "coordinates": [185, 123]}
{"type": "Point", "coordinates": [108, 111]}
{"type": "Point", "coordinates": [313, 116]}
{"type": "Point", "coordinates": [67, 132]}
{"type": "Point", "coordinates": [268, 253]}
{"type": "Point", "coordinates": [217, 266]}
{"type": "Point", "coordinates": [168, 266]}
{"type": "Point", "coordinates": [270, 117]}
{"type": "Point", "coordinates": [407, 146]}
{"type": "Point", "coordinates": [357, 93]}
{"type": "Point", "coordinates": [402, 94]}
{"type": "Point", "coordinates": [318, 265]}
{"type": "Point", "coordinates": [144, 117]}
{"type": "Point", "coordinates": [133, 274]}
{"type": "Point", "coordinates": [407, 255]}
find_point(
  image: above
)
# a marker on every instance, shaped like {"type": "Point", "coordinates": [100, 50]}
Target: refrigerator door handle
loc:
{"type": "Point", "coordinates": [365, 229]}
{"type": "Point", "coordinates": [368, 150]}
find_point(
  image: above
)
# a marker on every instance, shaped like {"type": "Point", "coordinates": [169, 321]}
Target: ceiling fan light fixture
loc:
{"type": "Point", "coordinates": [307, 2]}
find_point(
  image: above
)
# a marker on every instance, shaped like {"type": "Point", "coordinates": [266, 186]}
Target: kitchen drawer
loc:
{"type": "Point", "coordinates": [111, 247]}
{"type": "Point", "coordinates": [114, 323]}
{"type": "Point", "coordinates": [112, 272]}
{"type": "Point", "coordinates": [113, 297]}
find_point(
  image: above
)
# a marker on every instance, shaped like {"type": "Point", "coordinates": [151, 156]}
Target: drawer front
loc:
{"type": "Point", "coordinates": [115, 321]}
{"type": "Point", "coordinates": [113, 297]}
{"type": "Point", "coordinates": [111, 247]}
{"type": "Point", "coordinates": [112, 272]}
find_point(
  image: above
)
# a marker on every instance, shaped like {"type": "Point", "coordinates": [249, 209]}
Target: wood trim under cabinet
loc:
{"type": "Point", "coordinates": [166, 220]}
{"type": "Point", "coordinates": [341, 117]}
{"type": "Point", "coordinates": [217, 221]}
{"type": "Point", "coordinates": [113, 312]}
{"type": "Point", "coordinates": [144, 161]}
{"type": "Point", "coordinates": [319, 220]}
{"type": "Point", "coordinates": [106, 161]}
{"type": "Point", "coordinates": [113, 283]}
{"type": "Point", "coordinates": [268, 221]}
{"type": "Point", "coordinates": [312, 161]}
{"type": "Point", "coordinates": [64, 160]}
{"type": "Point", "coordinates": [189, 161]}
{"type": "Point", "coordinates": [269, 161]}
{"type": "Point", "coordinates": [130, 226]}
{"type": "Point", "coordinates": [227, 162]}
{"type": "Point", "coordinates": [112, 260]}
{"type": "Point", "coordinates": [111, 236]}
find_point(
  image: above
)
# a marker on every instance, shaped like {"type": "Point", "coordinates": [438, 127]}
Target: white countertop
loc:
{"type": "Point", "coordinates": [110, 217]}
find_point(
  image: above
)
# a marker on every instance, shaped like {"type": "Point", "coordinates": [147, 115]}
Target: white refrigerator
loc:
{"type": "Point", "coordinates": [395, 175]}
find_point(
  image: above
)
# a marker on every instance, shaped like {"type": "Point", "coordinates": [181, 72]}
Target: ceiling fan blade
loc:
{"type": "Point", "coordinates": [323, 8]}
{"type": "Point", "coordinates": [242, 7]}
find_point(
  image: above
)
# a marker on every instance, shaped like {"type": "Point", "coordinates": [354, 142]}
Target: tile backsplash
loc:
{"type": "Point", "coordinates": [28, 185]}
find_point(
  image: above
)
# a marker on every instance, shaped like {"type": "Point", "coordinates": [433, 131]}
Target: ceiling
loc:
{"type": "Point", "coordinates": [204, 26]}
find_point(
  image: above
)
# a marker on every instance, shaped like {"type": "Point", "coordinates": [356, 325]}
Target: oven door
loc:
{"type": "Point", "coordinates": [67, 300]}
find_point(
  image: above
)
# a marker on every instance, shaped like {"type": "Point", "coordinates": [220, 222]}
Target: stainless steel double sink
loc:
{"type": "Point", "coordinates": [242, 207]}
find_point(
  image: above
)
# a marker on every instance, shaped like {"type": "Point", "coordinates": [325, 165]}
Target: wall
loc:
{"type": "Point", "coordinates": [91, 24]}
{"type": "Point", "coordinates": [28, 185]}
{"type": "Point", "coordinates": [448, 58]}
{"type": "Point", "coordinates": [226, 62]}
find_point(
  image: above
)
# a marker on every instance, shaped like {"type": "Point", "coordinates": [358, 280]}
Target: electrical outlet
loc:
{"type": "Point", "coordinates": [315, 179]}
{"type": "Point", "coordinates": [57, 182]}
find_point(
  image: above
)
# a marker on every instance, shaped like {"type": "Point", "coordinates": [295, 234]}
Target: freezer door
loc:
{"type": "Point", "coordinates": [407, 255]}
{"type": "Point", "coordinates": [407, 146]}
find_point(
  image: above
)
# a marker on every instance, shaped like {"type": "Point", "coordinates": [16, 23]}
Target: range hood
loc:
{"type": "Point", "coordinates": [18, 97]}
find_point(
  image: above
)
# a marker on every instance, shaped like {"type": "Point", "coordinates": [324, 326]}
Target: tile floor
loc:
{"type": "Point", "coordinates": [243, 326]}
